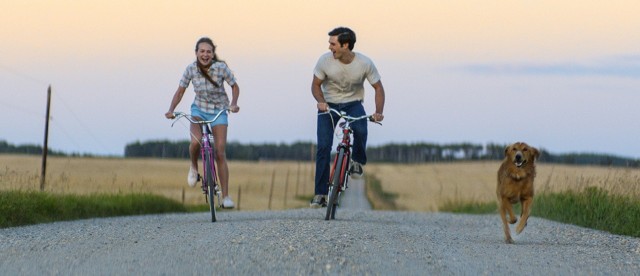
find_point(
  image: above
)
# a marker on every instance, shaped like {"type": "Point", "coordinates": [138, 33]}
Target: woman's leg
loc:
{"type": "Point", "coordinates": [194, 150]}
{"type": "Point", "coordinates": [194, 147]}
{"type": "Point", "coordinates": [220, 144]}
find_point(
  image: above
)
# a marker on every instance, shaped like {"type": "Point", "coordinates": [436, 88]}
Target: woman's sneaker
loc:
{"type": "Point", "coordinates": [318, 201]}
{"type": "Point", "coordinates": [192, 177]}
{"type": "Point", "coordinates": [227, 203]}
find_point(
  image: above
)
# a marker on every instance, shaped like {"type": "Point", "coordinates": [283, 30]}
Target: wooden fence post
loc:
{"type": "Point", "coordinates": [298, 179]}
{"type": "Point", "coordinates": [239, 194]}
{"type": "Point", "coordinates": [45, 147]}
{"type": "Point", "coordinates": [273, 180]}
{"type": "Point", "coordinates": [286, 187]}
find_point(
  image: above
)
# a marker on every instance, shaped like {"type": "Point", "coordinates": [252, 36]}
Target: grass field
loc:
{"type": "Point", "coordinates": [251, 181]}
{"type": "Point", "coordinates": [428, 187]}
{"type": "Point", "coordinates": [597, 197]}
{"type": "Point", "coordinates": [415, 187]}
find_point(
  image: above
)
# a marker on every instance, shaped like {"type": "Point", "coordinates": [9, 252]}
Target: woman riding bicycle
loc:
{"type": "Point", "coordinates": [208, 75]}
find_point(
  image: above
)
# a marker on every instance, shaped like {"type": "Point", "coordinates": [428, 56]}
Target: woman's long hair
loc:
{"type": "Point", "coordinates": [203, 68]}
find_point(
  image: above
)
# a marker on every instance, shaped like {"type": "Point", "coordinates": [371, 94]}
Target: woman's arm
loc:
{"type": "Point", "coordinates": [177, 97]}
{"type": "Point", "coordinates": [235, 93]}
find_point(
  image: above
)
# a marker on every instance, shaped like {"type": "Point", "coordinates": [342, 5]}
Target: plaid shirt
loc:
{"type": "Point", "coordinates": [208, 97]}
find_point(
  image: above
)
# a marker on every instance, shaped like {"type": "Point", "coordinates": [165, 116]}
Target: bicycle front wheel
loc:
{"type": "Point", "coordinates": [334, 187]}
{"type": "Point", "coordinates": [210, 179]}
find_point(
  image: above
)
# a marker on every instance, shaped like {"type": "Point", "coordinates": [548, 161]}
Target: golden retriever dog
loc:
{"type": "Point", "coordinates": [515, 184]}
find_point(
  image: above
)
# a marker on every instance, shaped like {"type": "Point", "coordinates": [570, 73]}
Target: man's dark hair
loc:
{"type": "Point", "coordinates": [345, 35]}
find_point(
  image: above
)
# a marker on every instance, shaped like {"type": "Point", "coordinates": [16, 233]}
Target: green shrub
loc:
{"type": "Point", "coordinates": [23, 208]}
{"type": "Point", "coordinates": [592, 208]}
{"type": "Point", "coordinates": [378, 198]}
{"type": "Point", "coordinates": [469, 207]}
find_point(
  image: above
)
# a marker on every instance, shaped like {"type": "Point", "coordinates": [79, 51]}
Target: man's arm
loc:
{"type": "Point", "coordinates": [379, 99]}
{"type": "Point", "coordinates": [316, 91]}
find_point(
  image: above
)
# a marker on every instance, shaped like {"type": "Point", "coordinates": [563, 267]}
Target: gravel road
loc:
{"type": "Point", "coordinates": [355, 197]}
{"type": "Point", "coordinates": [299, 242]}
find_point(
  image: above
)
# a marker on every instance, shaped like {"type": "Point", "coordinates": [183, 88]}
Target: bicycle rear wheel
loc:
{"type": "Point", "coordinates": [334, 187]}
{"type": "Point", "coordinates": [210, 182]}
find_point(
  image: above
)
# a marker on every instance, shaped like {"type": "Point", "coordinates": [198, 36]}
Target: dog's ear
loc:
{"type": "Point", "coordinates": [506, 150]}
{"type": "Point", "coordinates": [536, 153]}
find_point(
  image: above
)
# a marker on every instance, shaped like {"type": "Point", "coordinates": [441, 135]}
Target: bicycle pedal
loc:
{"type": "Point", "coordinates": [220, 201]}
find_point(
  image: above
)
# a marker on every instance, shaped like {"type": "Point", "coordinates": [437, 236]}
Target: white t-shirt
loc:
{"type": "Point", "coordinates": [343, 83]}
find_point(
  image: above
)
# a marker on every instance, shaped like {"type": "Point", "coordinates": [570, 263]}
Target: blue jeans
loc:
{"type": "Point", "coordinates": [325, 134]}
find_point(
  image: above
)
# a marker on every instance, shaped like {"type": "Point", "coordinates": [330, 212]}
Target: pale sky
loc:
{"type": "Point", "coordinates": [560, 75]}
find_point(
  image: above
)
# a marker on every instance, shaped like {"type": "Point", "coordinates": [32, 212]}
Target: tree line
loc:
{"type": "Point", "coordinates": [26, 149]}
{"type": "Point", "coordinates": [234, 150]}
{"type": "Point", "coordinates": [305, 151]}
{"type": "Point", "coordinates": [391, 153]}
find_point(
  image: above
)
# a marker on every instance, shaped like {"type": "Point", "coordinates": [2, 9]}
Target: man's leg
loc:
{"type": "Point", "coordinates": [360, 131]}
{"type": "Point", "coordinates": [323, 153]}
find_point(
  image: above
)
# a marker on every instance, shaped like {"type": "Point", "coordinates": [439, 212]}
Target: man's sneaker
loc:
{"type": "Point", "coordinates": [192, 177]}
{"type": "Point", "coordinates": [318, 201]}
{"type": "Point", "coordinates": [356, 170]}
{"type": "Point", "coordinates": [227, 203]}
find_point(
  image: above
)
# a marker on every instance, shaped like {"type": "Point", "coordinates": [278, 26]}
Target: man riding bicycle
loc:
{"type": "Point", "coordinates": [338, 82]}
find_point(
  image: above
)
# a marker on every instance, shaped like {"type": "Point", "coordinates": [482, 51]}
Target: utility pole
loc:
{"type": "Point", "coordinates": [45, 148]}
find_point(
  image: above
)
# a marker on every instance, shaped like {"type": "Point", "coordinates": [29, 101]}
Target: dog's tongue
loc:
{"type": "Point", "coordinates": [519, 164]}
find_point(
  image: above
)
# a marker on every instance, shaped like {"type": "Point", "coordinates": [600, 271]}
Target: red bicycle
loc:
{"type": "Point", "coordinates": [341, 171]}
{"type": "Point", "coordinates": [210, 185]}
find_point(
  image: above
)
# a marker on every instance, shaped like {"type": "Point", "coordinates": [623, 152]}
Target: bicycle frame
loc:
{"type": "Point", "coordinates": [207, 152]}
{"type": "Point", "coordinates": [345, 147]}
{"type": "Point", "coordinates": [339, 176]}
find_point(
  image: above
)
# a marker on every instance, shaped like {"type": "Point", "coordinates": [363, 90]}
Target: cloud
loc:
{"type": "Point", "coordinates": [618, 66]}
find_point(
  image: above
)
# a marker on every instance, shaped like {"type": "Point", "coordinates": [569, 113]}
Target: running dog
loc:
{"type": "Point", "coordinates": [515, 184]}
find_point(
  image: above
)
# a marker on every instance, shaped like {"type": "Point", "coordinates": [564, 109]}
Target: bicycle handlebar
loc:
{"type": "Point", "coordinates": [179, 115]}
{"type": "Point", "coordinates": [344, 115]}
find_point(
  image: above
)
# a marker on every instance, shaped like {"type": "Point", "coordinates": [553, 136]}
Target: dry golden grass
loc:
{"type": "Point", "coordinates": [167, 177]}
{"type": "Point", "coordinates": [420, 187]}
{"type": "Point", "coordinates": [426, 187]}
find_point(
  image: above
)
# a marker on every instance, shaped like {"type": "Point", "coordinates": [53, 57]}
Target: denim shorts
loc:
{"type": "Point", "coordinates": [222, 119]}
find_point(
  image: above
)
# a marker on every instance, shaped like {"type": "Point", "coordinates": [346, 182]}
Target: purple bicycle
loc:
{"type": "Point", "coordinates": [210, 185]}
